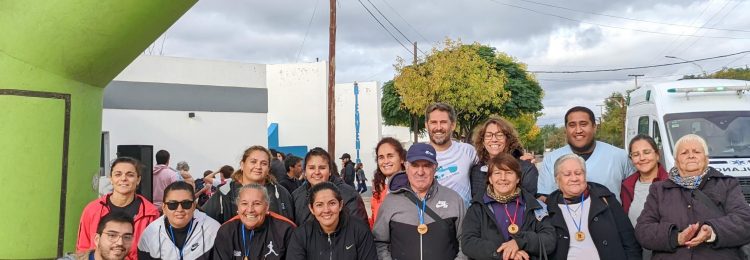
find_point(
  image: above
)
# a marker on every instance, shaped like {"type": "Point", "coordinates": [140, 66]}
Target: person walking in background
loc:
{"type": "Point", "coordinates": [292, 180]}
{"type": "Point", "coordinates": [361, 178]}
{"type": "Point", "coordinates": [183, 169]}
{"type": "Point", "coordinates": [277, 165]}
{"type": "Point", "coordinates": [347, 169]}
{"type": "Point", "coordinates": [125, 175]}
{"type": "Point", "coordinates": [162, 176]}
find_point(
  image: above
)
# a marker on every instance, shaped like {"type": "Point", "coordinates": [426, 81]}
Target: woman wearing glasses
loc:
{"type": "Point", "coordinates": [125, 177]}
{"type": "Point", "coordinates": [494, 137]}
{"type": "Point", "coordinates": [183, 232]}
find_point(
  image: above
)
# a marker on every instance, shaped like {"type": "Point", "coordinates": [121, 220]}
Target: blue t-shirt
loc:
{"type": "Point", "coordinates": [608, 166]}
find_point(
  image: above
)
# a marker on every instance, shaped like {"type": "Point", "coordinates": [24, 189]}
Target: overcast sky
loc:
{"type": "Point", "coordinates": [548, 35]}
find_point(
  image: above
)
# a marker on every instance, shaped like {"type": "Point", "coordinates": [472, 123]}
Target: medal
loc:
{"type": "Point", "coordinates": [422, 229]}
{"type": "Point", "coordinates": [245, 258]}
{"type": "Point", "coordinates": [513, 229]}
{"type": "Point", "coordinates": [580, 236]}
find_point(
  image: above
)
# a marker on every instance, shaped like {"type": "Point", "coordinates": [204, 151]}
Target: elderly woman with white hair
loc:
{"type": "Point", "coordinates": [589, 221]}
{"type": "Point", "coordinates": [698, 213]}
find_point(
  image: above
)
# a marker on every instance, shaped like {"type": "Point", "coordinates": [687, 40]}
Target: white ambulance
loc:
{"type": "Point", "coordinates": [716, 109]}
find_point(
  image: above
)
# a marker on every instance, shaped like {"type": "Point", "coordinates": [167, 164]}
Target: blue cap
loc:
{"type": "Point", "coordinates": [421, 151]}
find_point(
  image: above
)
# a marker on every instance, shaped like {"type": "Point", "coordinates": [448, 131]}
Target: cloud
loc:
{"type": "Point", "coordinates": [530, 30]}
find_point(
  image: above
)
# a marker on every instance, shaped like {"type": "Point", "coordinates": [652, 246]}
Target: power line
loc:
{"type": "Point", "coordinates": [633, 19]}
{"type": "Point", "coordinates": [405, 21]}
{"type": "Point", "coordinates": [612, 26]}
{"type": "Point", "coordinates": [384, 28]}
{"type": "Point", "coordinates": [639, 67]}
{"type": "Point", "coordinates": [709, 21]}
{"type": "Point", "coordinates": [394, 26]}
{"type": "Point", "coordinates": [315, 9]}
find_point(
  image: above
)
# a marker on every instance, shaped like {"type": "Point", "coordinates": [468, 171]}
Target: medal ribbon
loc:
{"type": "Point", "coordinates": [174, 239]}
{"type": "Point", "coordinates": [246, 250]}
{"type": "Point", "coordinates": [515, 214]}
{"type": "Point", "coordinates": [580, 217]}
{"type": "Point", "coordinates": [421, 211]}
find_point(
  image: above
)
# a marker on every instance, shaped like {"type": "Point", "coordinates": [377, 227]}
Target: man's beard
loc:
{"type": "Point", "coordinates": [446, 138]}
{"type": "Point", "coordinates": [585, 149]}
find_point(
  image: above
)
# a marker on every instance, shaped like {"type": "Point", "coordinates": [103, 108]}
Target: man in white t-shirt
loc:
{"type": "Point", "coordinates": [454, 158]}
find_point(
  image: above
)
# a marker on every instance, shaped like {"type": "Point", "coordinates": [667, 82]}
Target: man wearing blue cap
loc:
{"type": "Point", "coordinates": [419, 213]}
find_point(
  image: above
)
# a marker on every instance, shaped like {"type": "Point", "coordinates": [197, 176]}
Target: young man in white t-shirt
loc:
{"type": "Point", "coordinates": [454, 158]}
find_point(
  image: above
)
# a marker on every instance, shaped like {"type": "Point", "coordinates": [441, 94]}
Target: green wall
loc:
{"type": "Point", "coordinates": [56, 57]}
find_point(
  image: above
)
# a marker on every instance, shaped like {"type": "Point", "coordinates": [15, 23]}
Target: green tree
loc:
{"type": "Point", "coordinates": [395, 113]}
{"type": "Point", "coordinates": [519, 95]}
{"type": "Point", "coordinates": [549, 137]}
{"type": "Point", "coordinates": [612, 126]}
{"type": "Point", "coordinates": [725, 73]}
{"type": "Point", "coordinates": [525, 124]}
{"type": "Point", "coordinates": [456, 75]}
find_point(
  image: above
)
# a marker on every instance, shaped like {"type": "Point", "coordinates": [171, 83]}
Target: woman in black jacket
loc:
{"type": "Point", "coordinates": [332, 234]}
{"type": "Point", "coordinates": [589, 221]}
{"type": "Point", "coordinates": [320, 168]}
{"type": "Point", "coordinates": [254, 169]}
{"type": "Point", "coordinates": [494, 137]}
{"type": "Point", "coordinates": [506, 221]}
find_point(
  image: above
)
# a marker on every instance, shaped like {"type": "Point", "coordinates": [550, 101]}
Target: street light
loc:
{"type": "Point", "coordinates": [696, 64]}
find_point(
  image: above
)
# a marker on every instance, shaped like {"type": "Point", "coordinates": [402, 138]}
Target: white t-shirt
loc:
{"type": "Point", "coordinates": [639, 199]}
{"type": "Point", "coordinates": [453, 169]}
{"type": "Point", "coordinates": [579, 249]}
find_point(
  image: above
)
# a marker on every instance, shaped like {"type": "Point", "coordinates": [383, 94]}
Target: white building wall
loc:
{"type": "Point", "coordinates": [207, 141]}
{"type": "Point", "coordinates": [370, 126]}
{"type": "Point", "coordinates": [297, 101]}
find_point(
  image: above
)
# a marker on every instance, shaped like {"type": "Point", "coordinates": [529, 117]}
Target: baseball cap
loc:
{"type": "Point", "coordinates": [421, 151]}
{"type": "Point", "coordinates": [345, 155]}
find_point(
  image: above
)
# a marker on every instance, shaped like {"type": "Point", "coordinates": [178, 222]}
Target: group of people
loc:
{"type": "Point", "coordinates": [440, 200]}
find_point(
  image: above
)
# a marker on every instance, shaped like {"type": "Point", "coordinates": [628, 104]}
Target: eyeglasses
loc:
{"type": "Point", "coordinates": [114, 236]}
{"type": "Point", "coordinates": [498, 135]}
{"type": "Point", "coordinates": [186, 204]}
{"type": "Point", "coordinates": [644, 153]}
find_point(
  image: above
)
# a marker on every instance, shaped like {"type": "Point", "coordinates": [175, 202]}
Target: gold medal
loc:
{"type": "Point", "coordinates": [422, 229]}
{"type": "Point", "coordinates": [513, 229]}
{"type": "Point", "coordinates": [580, 236]}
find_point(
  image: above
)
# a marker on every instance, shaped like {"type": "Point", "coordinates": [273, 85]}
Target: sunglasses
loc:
{"type": "Point", "coordinates": [186, 204]}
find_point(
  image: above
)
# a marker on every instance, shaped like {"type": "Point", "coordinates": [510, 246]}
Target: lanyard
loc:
{"type": "Point", "coordinates": [421, 211]}
{"type": "Point", "coordinates": [580, 217]}
{"type": "Point", "coordinates": [174, 239]}
{"type": "Point", "coordinates": [515, 214]}
{"type": "Point", "coordinates": [246, 250]}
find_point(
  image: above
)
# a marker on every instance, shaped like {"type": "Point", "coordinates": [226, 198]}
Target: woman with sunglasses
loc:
{"type": "Point", "coordinates": [125, 176]}
{"type": "Point", "coordinates": [182, 232]}
{"type": "Point", "coordinates": [332, 234]}
{"type": "Point", "coordinates": [255, 168]}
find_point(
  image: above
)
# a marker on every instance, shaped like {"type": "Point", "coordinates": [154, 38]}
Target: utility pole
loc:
{"type": "Point", "coordinates": [332, 81]}
{"type": "Point", "coordinates": [636, 78]}
{"type": "Point", "coordinates": [415, 118]}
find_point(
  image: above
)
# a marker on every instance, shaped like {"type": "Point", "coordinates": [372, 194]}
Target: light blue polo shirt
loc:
{"type": "Point", "coordinates": [608, 166]}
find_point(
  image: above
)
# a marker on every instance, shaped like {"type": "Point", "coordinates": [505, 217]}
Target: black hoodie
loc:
{"type": "Point", "coordinates": [352, 240]}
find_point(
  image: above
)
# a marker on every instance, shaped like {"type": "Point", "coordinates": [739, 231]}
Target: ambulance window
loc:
{"type": "Point", "coordinates": [656, 134]}
{"type": "Point", "coordinates": [643, 125]}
